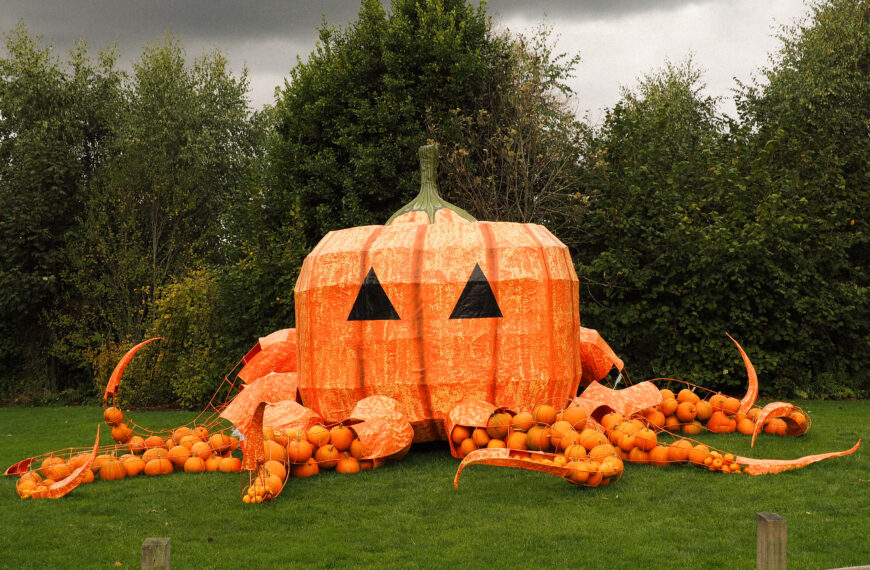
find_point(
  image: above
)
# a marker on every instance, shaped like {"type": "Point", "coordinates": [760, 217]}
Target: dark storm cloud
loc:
{"type": "Point", "coordinates": [618, 39]}
{"type": "Point", "coordinates": [198, 19]}
{"type": "Point", "coordinates": [583, 9]}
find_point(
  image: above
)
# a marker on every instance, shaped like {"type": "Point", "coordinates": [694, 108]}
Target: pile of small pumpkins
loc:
{"type": "Point", "coordinates": [304, 453]}
{"type": "Point", "coordinates": [637, 441]}
{"type": "Point", "coordinates": [189, 450]}
{"type": "Point", "coordinates": [686, 412]}
{"type": "Point", "coordinates": [558, 438]}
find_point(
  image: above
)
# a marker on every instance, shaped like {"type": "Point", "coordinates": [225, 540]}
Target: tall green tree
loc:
{"type": "Point", "coordinates": [156, 209]}
{"type": "Point", "coordinates": [516, 156]}
{"type": "Point", "coordinates": [54, 124]}
{"type": "Point", "coordinates": [809, 164]}
{"type": "Point", "coordinates": [658, 247]}
{"type": "Point", "coordinates": [352, 116]}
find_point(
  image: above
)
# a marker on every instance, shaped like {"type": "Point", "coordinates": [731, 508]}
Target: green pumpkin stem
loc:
{"type": "Point", "coordinates": [428, 199]}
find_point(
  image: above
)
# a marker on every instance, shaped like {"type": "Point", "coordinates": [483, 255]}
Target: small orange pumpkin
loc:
{"type": "Point", "coordinates": [230, 465]}
{"type": "Point", "coordinates": [155, 453]}
{"type": "Point", "coordinates": [112, 470]}
{"type": "Point", "coordinates": [538, 438]}
{"type": "Point", "coordinates": [341, 437]}
{"type": "Point", "coordinates": [576, 416]}
{"type": "Point", "coordinates": [133, 465]}
{"type": "Point", "coordinates": [544, 414]}
{"type": "Point", "coordinates": [201, 449]}
{"type": "Point", "coordinates": [318, 435]}
{"type": "Point", "coordinates": [347, 465]}
{"type": "Point", "coordinates": [517, 440]}
{"type": "Point", "coordinates": [219, 442]}
{"type": "Point", "coordinates": [306, 469]}
{"type": "Point", "coordinates": [466, 447]}
{"type": "Point", "coordinates": [523, 421]}
{"type": "Point", "coordinates": [113, 416]}
{"type": "Point", "coordinates": [327, 456]}
{"type": "Point", "coordinates": [122, 433]}
{"type": "Point", "coordinates": [178, 455]}
{"type": "Point", "coordinates": [194, 464]}
{"type": "Point", "coordinates": [275, 468]}
{"type": "Point", "coordinates": [356, 449]}
{"type": "Point", "coordinates": [275, 450]}
{"type": "Point", "coordinates": [136, 444]}
{"type": "Point", "coordinates": [159, 466]}
{"type": "Point", "coordinates": [153, 441]}
{"type": "Point", "coordinates": [460, 434]}
{"type": "Point", "coordinates": [213, 463]}
{"type": "Point", "coordinates": [498, 425]}
{"type": "Point", "coordinates": [480, 437]}
{"type": "Point", "coordinates": [201, 433]}
{"type": "Point", "coordinates": [300, 450]}
{"type": "Point", "coordinates": [686, 412]}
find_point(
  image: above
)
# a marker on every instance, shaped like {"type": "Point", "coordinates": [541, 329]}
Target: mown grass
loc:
{"type": "Point", "coordinates": [408, 515]}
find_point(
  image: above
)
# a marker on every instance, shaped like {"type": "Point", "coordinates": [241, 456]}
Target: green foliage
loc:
{"type": "Point", "coordinates": [352, 116]}
{"type": "Point", "coordinates": [193, 360]}
{"type": "Point", "coordinates": [656, 244]}
{"type": "Point", "coordinates": [683, 224]}
{"type": "Point", "coordinates": [112, 187]}
{"type": "Point", "coordinates": [808, 157]}
{"type": "Point", "coordinates": [700, 225]}
{"type": "Point", "coordinates": [515, 157]}
{"type": "Point", "coordinates": [52, 129]}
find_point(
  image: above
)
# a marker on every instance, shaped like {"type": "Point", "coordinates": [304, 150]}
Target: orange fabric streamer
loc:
{"type": "Point", "coordinates": [770, 466]}
{"type": "Point", "coordinates": [71, 481]}
{"type": "Point", "coordinates": [504, 457]}
{"type": "Point", "coordinates": [752, 389]}
{"type": "Point", "coordinates": [288, 414]}
{"type": "Point", "coordinates": [115, 379]}
{"type": "Point", "coordinates": [771, 410]}
{"type": "Point", "coordinates": [253, 453]}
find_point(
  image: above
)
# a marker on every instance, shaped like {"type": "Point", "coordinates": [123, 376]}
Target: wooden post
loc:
{"type": "Point", "coordinates": [771, 542]}
{"type": "Point", "coordinates": [155, 554]}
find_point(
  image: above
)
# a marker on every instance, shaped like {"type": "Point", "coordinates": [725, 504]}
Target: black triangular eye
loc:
{"type": "Point", "coordinates": [477, 300]}
{"type": "Point", "coordinates": [372, 303]}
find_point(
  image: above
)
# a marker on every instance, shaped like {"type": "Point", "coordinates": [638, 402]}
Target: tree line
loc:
{"type": "Point", "coordinates": [157, 202]}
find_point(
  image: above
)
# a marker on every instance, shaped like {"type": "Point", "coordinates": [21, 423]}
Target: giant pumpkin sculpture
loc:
{"type": "Point", "coordinates": [433, 308]}
{"type": "Point", "coordinates": [438, 326]}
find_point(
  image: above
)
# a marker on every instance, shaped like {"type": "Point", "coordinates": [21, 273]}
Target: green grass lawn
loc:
{"type": "Point", "coordinates": [408, 515]}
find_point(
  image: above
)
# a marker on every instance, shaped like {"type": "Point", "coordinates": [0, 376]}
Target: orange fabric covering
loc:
{"type": "Point", "coordinates": [273, 353]}
{"type": "Point", "coordinates": [470, 413]}
{"type": "Point", "coordinates": [115, 379]}
{"type": "Point", "coordinates": [771, 466]}
{"type": "Point", "coordinates": [289, 414]}
{"type": "Point", "coordinates": [425, 359]}
{"type": "Point", "coordinates": [382, 429]}
{"type": "Point", "coordinates": [596, 356]}
{"type": "Point", "coordinates": [626, 401]}
{"type": "Point", "coordinates": [271, 388]}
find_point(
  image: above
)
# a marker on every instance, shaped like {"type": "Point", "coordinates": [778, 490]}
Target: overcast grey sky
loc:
{"type": "Point", "coordinates": [618, 40]}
